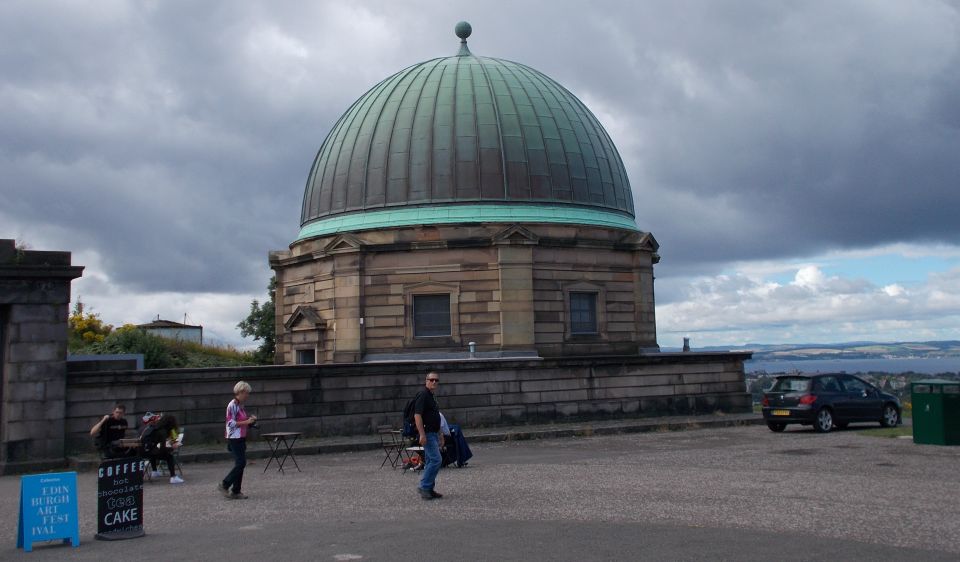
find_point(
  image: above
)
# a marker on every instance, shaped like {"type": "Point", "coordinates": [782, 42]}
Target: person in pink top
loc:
{"type": "Point", "coordinates": [236, 433]}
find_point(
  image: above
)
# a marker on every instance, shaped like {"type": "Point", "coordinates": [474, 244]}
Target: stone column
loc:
{"type": "Point", "coordinates": [516, 297]}
{"type": "Point", "coordinates": [34, 305]}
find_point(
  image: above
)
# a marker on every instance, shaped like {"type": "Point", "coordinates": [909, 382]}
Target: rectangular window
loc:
{"type": "Point", "coordinates": [431, 315]}
{"type": "Point", "coordinates": [854, 385]}
{"type": "Point", "coordinates": [583, 313]}
{"type": "Point", "coordinates": [827, 384]}
{"type": "Point", "coordinates": [306, 357]}
{"type": "Point", "coordinates": [791, 384]}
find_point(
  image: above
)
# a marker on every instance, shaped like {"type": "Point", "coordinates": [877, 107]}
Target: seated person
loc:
{"type": "Point", "coordinates": [108, 432]}
{"type": "Point", "coordinates": [160, 429]}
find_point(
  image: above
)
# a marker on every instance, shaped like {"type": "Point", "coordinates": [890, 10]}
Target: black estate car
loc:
{"type": "Point", "coordinates": [827, 401]}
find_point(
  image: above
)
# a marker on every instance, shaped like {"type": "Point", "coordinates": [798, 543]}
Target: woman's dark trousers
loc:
{"type": "Point", "coordinates": [238, 448]}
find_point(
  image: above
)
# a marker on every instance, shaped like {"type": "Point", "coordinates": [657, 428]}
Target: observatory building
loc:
{"type": "Point", "coordinates": [466, 206]}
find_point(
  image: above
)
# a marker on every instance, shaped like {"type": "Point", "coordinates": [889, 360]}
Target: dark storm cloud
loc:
{"type": "Point", "coordinates": [139, 128]}
{"type": "Point", "coordinates": [174, 138]}
{"type": "Point", "coordinates": [784, 129]}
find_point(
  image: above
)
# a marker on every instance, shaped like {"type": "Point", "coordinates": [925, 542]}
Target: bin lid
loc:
{"type": "Point", "coordinates": [935, 386]}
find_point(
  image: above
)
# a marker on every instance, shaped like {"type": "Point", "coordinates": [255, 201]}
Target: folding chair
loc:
{"type": "Point", "coordinates": [392, 444]}
{"type": "Point", "coordinates": [176, 452]}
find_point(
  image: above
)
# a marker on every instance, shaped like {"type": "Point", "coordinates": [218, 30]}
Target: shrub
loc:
{"type": "Point", "coordinates": [85, 330]}
{"type": "Point", "coordinates": [130, 339]}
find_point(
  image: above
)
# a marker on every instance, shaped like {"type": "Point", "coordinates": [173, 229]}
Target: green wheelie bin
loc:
{"type": "Point", "coordinates": [936, 412]}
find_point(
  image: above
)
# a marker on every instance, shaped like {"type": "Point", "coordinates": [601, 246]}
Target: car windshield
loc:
{"type": "Point", "coordinates": [791, 384]}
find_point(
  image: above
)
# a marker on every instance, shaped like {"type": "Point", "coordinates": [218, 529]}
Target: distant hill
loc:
{"type": "Point", "coordinates": [849, 350]}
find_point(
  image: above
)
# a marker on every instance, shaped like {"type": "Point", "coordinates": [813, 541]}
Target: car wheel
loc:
{"type": "Point", "coordinates": [824, 421]}
{"type": "Point", "coordinates": [891, 417]}
{"type": "Point", "coordinates": [776, 426]}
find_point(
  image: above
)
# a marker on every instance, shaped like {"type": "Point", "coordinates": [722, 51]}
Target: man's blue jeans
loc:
{"type": "Point", "coordinates": [431, 452]}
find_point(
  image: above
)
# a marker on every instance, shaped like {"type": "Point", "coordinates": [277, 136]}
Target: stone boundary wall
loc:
{"type": "Point", "coordinates": [350, 399]}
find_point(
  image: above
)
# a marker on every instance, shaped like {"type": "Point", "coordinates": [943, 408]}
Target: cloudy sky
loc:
{"type": "Point", "coordinates": [797, 161]}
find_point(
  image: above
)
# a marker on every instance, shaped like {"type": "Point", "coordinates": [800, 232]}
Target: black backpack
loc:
{"type": "Point", "coordinates": [409, 425]}
{"type": "Point", "coordinates": [149, 439]}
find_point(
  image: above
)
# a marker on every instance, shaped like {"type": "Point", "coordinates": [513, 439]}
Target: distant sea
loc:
{"type": "Point", "coordinates": [929, 366]}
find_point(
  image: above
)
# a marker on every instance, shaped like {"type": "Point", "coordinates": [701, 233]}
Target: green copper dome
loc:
{"type": "Point", "coordinates": [466, 139]}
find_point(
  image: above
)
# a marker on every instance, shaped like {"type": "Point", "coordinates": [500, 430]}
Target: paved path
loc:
{"type": "Point", "coordinates": [735, 493]}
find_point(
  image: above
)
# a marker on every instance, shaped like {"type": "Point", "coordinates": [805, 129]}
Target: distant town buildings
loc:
{"type": "Point", "coordinates": [173, 330]}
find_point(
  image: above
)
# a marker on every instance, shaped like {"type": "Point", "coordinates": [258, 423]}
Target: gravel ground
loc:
{"type": "Point", "coordinates": [740, 493]}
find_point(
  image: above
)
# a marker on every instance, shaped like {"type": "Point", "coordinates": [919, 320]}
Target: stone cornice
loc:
{"type": "Point", "coordinates": [516, 234]}
{"type": "Point", "coordinates": [65, 273]}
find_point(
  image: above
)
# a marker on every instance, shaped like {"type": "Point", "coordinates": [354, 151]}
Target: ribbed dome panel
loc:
{"type": "Point", "coordinates": [465, 129]}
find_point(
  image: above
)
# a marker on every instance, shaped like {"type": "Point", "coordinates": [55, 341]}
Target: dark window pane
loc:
{"type": "Point", "coordinates": [431, 315]}
{"type": "Point", "coordinates": [828, 384]}
{"type": "Point", "coordinates": [853, 384]}
{"type": "Point", "coordinates": [306, 357]}
{"type": "Point", "coordinates": [583, 313]}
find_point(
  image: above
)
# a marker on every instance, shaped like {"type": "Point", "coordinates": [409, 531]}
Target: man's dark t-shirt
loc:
{"type": "Point", "coordinates": [112, 430]}
{"type": "Point", "coordinates": [426, 406]}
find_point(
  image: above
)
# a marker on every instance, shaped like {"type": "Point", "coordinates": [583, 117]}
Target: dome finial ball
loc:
{"type": "Point", "coordinates": [463, 30]}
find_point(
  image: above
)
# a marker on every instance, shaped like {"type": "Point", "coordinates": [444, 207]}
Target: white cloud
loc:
{"type": "Point", "coordinates": [737, 308]}
{"type": "Point", "coordinates": [218, 313]}
{"type": "Point", "coordinates": [894, 290]}
{"type": "Point", "coordinates": [809, 277]}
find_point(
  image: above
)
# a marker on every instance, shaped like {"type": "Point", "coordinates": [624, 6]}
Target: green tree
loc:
{"type": "Point", "coordinates": [261, 325]}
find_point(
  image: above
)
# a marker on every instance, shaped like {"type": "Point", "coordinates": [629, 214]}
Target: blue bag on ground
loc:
{"type": "Point", "coordinates": [457, 452]}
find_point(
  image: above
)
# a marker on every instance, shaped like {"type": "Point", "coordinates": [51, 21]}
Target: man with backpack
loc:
{"type": "Point", "coordinates": [427, 420]}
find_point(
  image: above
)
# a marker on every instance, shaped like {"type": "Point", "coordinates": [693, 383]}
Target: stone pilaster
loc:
{"type": "Point", "coordinates": [34, 304]}
{"type": "Point", "coordinates": [347, 331]}
{"type": "Point", "coordinates": [645, 305]}
{"type": "Point", "coordinates": [516, 297]}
